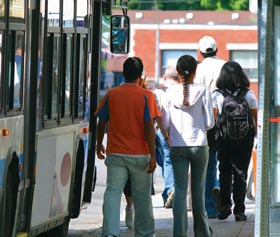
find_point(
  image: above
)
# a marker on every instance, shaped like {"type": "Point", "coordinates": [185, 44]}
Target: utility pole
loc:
{"type": "Point", "coordinates": [157, 44]}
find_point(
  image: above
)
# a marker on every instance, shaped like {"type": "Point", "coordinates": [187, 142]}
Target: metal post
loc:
{"type": "Point", "coordinates": [157, 44]}
{"type": "Point", "coordinates": [262, 192]}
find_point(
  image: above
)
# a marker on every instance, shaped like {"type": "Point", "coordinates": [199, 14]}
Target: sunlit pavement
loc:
{"type": "Point", "coordinates": [90, 221]}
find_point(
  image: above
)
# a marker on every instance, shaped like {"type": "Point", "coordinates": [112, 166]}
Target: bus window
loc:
{"type": "Point", "coordinates": [53, 13]}
{"type": "Point", "coordinates": [55, 75]}
{"type": "Point", "coordinates": [82, 74]}
{"type": "Point", "coordinates": [2, 11]}
{"type": "Point", "coordinates": [68, 13]}
{"type": "Point", "coordinates": [15, 72]}
{"type": "Point", "coordinates": [1, 50]}
{"type": "Point", "coordinates": [66, 81]}
{"type": "Point", "coordinates": [50, 78]}
{"type": "Point", "coordinates": [16, 11]}
{"type": "Point", "coordinates": [81, 13]}
{"type": "Point", "coordinates": [18, 70]}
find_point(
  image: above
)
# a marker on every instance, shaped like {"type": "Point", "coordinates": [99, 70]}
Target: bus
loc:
{"type": "Point", "coordinates": [49, 88]}
{"type": "Point", "coordinates": [267, 217]}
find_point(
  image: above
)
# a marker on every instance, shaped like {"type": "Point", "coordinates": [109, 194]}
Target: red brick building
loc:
{"type": "Point", "coordinates": [160, 37]}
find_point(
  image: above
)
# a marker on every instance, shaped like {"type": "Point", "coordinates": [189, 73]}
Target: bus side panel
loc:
{"type": "Point", "coordinates": [14, 139]}
{"type": "Point", "coordinates": [11, 142]}
{"type": "Point", "coordinates": [53, 175]}
{"type": "Point", "coordinates": [45, 163]}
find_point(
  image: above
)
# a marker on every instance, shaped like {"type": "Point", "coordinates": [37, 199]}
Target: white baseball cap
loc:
{"type": "Point", "coordinates": [207, 44]}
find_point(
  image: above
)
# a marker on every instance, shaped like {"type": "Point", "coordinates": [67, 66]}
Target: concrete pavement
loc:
{"type": "Point", "coordinates": [90, 220]}
{"type": "Point", "coordinates": [164, 223]}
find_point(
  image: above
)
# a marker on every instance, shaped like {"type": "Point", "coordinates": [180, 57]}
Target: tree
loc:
{"type": "Point", "coordinates": [141, 4]}
{"type": "Point", "coordinates": [215, 5]}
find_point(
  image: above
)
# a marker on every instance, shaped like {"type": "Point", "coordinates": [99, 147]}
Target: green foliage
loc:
{"type": "Point", "coordinates": [215, 5]}
{"type": "Point", "coordinates": [239, 5]}
{"type": "Point", "coordinates": [209, 4]}
{"type": "Point", "coordinates": [141, 5]}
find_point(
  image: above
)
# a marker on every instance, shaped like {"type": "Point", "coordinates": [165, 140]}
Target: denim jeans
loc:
{"type": "Point", "coordinates": [197, 158]}
{"type": "Point", "coordinates": [211, 182]}
{"type": "Point", "coordinates": [168, 176]}
{"type": "Point", "coordinates": [119, 167]}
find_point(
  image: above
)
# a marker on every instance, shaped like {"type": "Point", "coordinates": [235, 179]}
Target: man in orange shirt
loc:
{"type": "Point", "coordinates": [128, 111]}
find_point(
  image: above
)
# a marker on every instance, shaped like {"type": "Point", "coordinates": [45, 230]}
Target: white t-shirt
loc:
{"type": "Point", "coordinates": [218, 99]}
{"type": "Point", "coordinates": [208, 72]}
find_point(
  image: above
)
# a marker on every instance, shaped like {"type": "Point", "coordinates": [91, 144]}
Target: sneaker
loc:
{"type": "Point", "coordinates": [170, 199]}
{"type": "Point", "coordinates": [129, 217]}
{"type": "Point", "coordinates": [217, 198]}
{"type": "Point", "coordinates": [240, 217]}
{"type": "Point", "coordinates": [224, 214]}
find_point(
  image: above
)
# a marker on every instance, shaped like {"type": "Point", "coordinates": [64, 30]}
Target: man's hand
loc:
{"type": "Point", "coordinates": [152, 165]}
{"type": "Point", "coordinates": [100, 151]}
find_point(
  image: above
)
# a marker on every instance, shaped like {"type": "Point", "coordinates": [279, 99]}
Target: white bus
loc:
{"type": "Point", "coordinates": [49, 74]}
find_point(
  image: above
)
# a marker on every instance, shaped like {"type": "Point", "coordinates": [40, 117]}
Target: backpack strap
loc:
{"type": "Point", "coordinates": [242, 92]}
{"type": "Point", "coordinates": [223, 92]}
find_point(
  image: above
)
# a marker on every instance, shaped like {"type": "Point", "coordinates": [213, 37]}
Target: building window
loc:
{"type": "Point", "coordinates": [170, 57]}
{"type": "Point", "coordinates": [248, 59]}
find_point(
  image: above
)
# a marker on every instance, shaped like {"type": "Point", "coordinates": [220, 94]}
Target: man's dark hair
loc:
{"type": "Point", "coordinates": [132, 68]}
{"type": "Point", "coordinates": [209, 54]}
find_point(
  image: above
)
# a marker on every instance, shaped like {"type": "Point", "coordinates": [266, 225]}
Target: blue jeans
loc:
{"type": "Point", "coordinates": [211, 182]}
{"type": "Point", "coordinates": [168, 175]}
{"type": "Point", "coordinates": [197, 158]}
{"type": "Point", "coordinates": [119, 167]}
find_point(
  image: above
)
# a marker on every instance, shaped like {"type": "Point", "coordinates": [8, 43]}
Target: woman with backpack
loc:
{"type": "Point", "coordinates": [235, 109]}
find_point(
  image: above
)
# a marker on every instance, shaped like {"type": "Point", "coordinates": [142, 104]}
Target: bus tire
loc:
{"type": "Point", "coordinates": [59, 231]}
{"type": "Point", "coordinates": [77, 192]}
{"type": "Point", "coordinates": [12, 183]}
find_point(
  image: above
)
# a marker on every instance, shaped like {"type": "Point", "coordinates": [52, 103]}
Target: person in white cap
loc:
{"type": "Point", "coordinates": [207, 73]}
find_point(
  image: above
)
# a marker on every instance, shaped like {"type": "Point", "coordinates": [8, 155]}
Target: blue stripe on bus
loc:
{"type": "Point", "coordinates": [20, 156]}
{"type": "Point", "coordinates": [3, 166]}
{"type": "Point", "coordinates": [2, 169]}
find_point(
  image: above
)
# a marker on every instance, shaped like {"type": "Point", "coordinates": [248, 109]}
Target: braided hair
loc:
{"type": "Point", "coordinates": [186, 66]}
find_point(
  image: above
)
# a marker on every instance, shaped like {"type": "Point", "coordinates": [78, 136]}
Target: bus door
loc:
{"type": "Point", "coordinates": [12, 61]}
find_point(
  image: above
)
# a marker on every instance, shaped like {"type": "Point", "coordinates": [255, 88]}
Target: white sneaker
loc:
{"type": "Point", "coordinates": [129, 217]}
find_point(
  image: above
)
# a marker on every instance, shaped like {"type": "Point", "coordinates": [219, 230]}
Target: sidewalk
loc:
{"type": "Point", "coordinates": [221, 228]}
{"type": "Point", "coordinates": [90, 221]}
{"type": "Point", "coordinates": [164, 223]}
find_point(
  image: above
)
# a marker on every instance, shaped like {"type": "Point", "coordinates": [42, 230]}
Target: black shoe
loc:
{"type": "Point", "coordinates": [240, 217]}
{"type": "Point", "coordinates": [217, 198]}
{"type": "Point", "coordinates": [224, 214]}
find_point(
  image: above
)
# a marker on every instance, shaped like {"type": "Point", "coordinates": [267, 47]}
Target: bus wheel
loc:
{"type": "Point", "coordinates": [59, 231]}
{"type": "Point", "coordinates": [11, 197]}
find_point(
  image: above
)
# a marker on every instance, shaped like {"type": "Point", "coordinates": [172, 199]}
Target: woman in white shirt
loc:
{"type": "Point", "coordinates": [234, 155]}
{"type": "Point", "coordinates": [187, 125]}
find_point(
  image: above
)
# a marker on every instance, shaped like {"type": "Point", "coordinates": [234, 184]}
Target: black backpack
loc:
{"type": "Point", "coordinates": [236, 122]}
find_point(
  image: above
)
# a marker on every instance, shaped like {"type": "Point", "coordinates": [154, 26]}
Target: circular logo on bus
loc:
{"type": "Point", "coordinates": [65, 169]}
